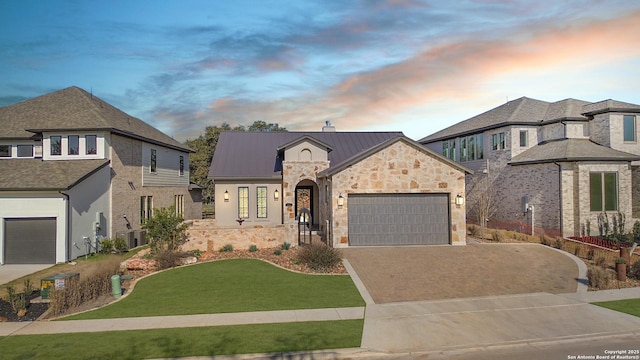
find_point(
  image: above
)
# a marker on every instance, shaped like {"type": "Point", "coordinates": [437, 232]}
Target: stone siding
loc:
{"type": "Point", "coordinates": [204, 235]}
{"type": "Point", "coordinates": [399, 168]}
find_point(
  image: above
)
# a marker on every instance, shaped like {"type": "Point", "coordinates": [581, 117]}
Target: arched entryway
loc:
{"type": "Point", "coordinates": [307, 197]}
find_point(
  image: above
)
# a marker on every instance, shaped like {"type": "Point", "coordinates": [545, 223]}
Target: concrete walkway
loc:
{"type": "Point", "coordinates": [11, 272]}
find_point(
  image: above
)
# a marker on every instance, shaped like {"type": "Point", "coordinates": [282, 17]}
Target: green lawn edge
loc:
{"type": "Point", "coordinates": [227, 286]}
{"type": "Point", "coordinates": [629, 306]}
{"type": "Point", "coordinates": [183, 342]}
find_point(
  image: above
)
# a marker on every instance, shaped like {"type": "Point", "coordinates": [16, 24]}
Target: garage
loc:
{"type": "Point", "coordinates": [30, 241]}
{"type": "Point", "coordinates": [398, 219]}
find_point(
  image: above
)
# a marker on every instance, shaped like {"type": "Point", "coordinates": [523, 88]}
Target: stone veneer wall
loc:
{"type": "Point", "coordinates": [399, 168]}
{"type": "Point", "coordinates": [204, 235]}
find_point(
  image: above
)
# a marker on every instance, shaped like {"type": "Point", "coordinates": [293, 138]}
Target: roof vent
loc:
{"type": "Point", "coordinates": [328, 127]}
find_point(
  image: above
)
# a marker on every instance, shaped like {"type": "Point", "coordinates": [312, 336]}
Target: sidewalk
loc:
{"type": "Point", "coordinates": [164, 322]}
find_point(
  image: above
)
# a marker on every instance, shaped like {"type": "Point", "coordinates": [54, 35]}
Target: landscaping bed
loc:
{"type": "Point", "coordinates": [34, 310]}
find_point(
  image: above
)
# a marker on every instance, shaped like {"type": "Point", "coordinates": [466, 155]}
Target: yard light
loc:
{"type": "Point", "coordinates": [276, 195]}
{"type": "Point", "coordinates": [226, 196]}
{"type": "Point", "coordinates": [459, 200]}
{"type": "Point", "coordinates": [340, 201]}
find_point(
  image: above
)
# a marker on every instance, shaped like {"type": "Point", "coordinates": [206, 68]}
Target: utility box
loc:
{"type": "Point", "coordinates": [57, 281]}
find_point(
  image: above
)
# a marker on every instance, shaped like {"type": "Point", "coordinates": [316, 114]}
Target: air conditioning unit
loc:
{"type": "Point", "coordinates": [128, 238]}
{"type": "Point", "coordinates": [140, 237]}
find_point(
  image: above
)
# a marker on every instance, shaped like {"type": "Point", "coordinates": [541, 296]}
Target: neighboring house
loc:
{"type": "Point", "coordinates": [360, 188]}
{"type": "Point", "coordinates": [74, 170]}
{"type": "Point", "coordinates": [571, 166]}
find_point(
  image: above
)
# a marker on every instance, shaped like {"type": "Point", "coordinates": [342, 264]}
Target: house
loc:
{"type": "Point", "coordinates": [566, 168]}
{"type": "Point", "coordinates": [74, 170]}
{"type": "Point", "coordinates": [348, 188]}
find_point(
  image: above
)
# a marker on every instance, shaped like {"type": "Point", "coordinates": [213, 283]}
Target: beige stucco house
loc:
{"type": "Point", "coordinates": [563, 167]}
{"type": "Point", "coordinates": [75, 170]}
{"type": "Point", "coordinates": [347, 188]}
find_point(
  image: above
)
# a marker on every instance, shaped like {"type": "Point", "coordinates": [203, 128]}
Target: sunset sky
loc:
{"type": "Point", "coordinates": [386, 65]}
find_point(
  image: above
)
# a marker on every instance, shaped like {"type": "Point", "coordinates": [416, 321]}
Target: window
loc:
{"type": "Point", "coordinates": [91, 144]}
{"type": "Point", "coordinates": [152, 167]}
{"type": "Point", "coordinates": [181, 171]}
{"type": "Point", "coordinates": [494, 142]}
{"type": "Point", "coordinates": [146, 208]}
{"type": "Point", "coordinates": [243, 202]}
{"type": "Point", "coordinates": [629, 128]}
{"type": "Point", "coordinates": [463, 149]}
{"type": "Point", "coordinates": [471, 143]}
{"type": "Point", "coordinates": [502, 141]}
{"type": "Point", "coordinates": [5, 150]}
{"type": "Point", "coordinates": [445, 149]}
{"type": "Point", "coordinates": [56, 145]}
{"type": "Point", "coordinates": [523, 138]}
{"type": "Point", "coordinates": [179, 204]}
{"type": "Point", "coordinates": [452, 149]}
{"type": "Point", "coordinates": [25, 150]}
{"type": "Point", "coordinates": [73, 145]}
{"type": "Point", "coordinates": [604, 191]}
{"type": "Point", "coordinates": [479, 147]}
{"type": "Point", "coordinates": [261, 201]}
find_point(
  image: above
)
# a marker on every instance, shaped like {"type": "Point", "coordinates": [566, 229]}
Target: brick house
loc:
{"type": "Point", "coordinates": [347, 188]}
{"type": "Point", "coordinates": [75, 169]}
{"type": "Point", "coordinates": [569, 167]}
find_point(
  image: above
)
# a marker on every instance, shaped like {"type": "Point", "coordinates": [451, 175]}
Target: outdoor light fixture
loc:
{"type": "Point", "coordinates": [276, 195]}
{"type": "Point", "coordinates": [459, 200]}
{"type": "Point", "coordinates": [340, 201]}
{"type": "Point", "coordinates": [226, 196]}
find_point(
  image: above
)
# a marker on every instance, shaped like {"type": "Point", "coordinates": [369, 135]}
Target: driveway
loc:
{"type": "Point", "coordinates": [11, 272]}
{"type": "Point", "coordinates": [416, 273]}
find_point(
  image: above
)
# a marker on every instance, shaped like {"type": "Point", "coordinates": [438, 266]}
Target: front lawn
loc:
{"type": "Point", "coordinates": [182, 342]}
{"type": "Point", "coordinates": [630, 306]}
{"type": "Point", "coordinates": [236, 285]}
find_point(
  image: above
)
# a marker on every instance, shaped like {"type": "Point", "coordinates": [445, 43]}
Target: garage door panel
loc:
{"type": "Point", "coordinates": [398, 219]}
{"type": "Point", "coordinates": [30, 241]}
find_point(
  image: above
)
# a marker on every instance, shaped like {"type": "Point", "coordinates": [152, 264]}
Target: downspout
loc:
{"type": "Point", "coordinates": [68, 229]}
{"type": "Point", "coordinates": [560, 198]}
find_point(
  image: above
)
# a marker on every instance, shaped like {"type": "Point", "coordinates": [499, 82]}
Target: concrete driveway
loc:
{"type": "Point", "coordinates": [416, 273]}
{"type": "Point", "coordinates": [12, 272]}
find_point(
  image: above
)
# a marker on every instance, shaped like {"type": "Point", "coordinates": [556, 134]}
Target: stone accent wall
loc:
{"type": "Point", "coordinates": [399, 168]}
{"type": "Point", "coordinates": [204, 235]}
{"type": "Point", "coordinates": [635, 192]}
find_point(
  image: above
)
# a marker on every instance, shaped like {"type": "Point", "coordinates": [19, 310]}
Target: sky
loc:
{"type": "Point", "coordinates": [370, 65]}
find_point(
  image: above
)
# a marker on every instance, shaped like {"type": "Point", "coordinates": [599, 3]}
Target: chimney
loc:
{"type": "Point", "coordinates": [328, 127]}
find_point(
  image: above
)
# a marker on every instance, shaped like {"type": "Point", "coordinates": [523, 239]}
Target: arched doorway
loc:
{"type": "Point", "coordinates": [306, 198]}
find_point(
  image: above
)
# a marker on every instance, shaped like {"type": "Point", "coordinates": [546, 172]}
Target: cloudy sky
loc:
{"type": "Point", "coordinates": [408, 65]}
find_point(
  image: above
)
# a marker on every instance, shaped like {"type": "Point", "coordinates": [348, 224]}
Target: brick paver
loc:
{"type": "Point", "coordinates": [393, 274]}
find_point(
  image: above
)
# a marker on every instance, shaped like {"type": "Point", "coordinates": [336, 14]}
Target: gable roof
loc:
{"type": "Point", "coordinates": [75, 109]}
{"type": "Point", "coordinates": [570, 150]}
{"type": "Point", "coordinates": [522, 111]}
{"type": "Point", "coordinates": [368, 152]}
{"type": "Point", "coordinates": [254, 154]}
{"type": "Point", "coordinates": [38, 175]}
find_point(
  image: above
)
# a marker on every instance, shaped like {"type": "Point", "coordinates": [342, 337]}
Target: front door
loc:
{"type": "Point", "coordinates": [304, 200]}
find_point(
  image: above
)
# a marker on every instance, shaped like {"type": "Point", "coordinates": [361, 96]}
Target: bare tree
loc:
{"type": "Point", "coordinates": [481, 199]}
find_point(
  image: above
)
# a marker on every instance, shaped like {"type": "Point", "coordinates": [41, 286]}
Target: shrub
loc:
{"type": "Point", "coordinates": [633, 271]}
{"type": "Point", "coordinates": [319, 257]}
{"type": "Point", "coordinates": [601, 261]}
{"type": "Point", "coordinates": [227, 248]}
{"type": "Point", "coordinates": [253, 248]}
{"type": "Point", "coordinates": [285, 246]}
{"type": "Point", "coordinates": [598, 277]}
{"type": "Point", "coordinates": [19, 301]}
{"type": "Point", "coordinates": [544, 240]}
{"type": "Point", "coordinates": [277, 252]}
{"type": "Point", "coordinates": [591, 254]}
{"type": "Point", "coordinates": [165, 229]}
{"type": "Point", "coordinates": [559, 244]}
{"type": "Point", "coordinates": [498, 236]}
{"type": "Point", "coordinates": [636, 231]}
{"type": "Point", "coordinates": [167, 259]}
{"type": "Point", "coordinates": [197, 253]}
{"type": "Point", "coordinates": [88, 287]}
{"type": "Point", "coordinates": [621, 260]}
{"type": "Point", "coordinates": [576, 251]}
{"type": "Point", "coordinates": [120, 244]}
{"type": "Point", "coordinates": [473, 230]}
{"type": "Point", "coordinates": [106, 246]}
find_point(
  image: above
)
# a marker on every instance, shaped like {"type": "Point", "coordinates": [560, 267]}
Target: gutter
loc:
{"type": "Point", "coordinates": [68, 238]}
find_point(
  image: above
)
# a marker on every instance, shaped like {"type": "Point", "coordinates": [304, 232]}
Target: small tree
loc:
{"type": "Point", "coordinates": [166, 229]}
{"type": "Point", "coordinates": [481, 198]}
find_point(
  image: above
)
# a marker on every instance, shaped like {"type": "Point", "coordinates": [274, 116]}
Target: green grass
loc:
{"type": "Point", "coordinates": [631, 306]}
{"type": "Point", "coordinates": [182, 342]}
{"type": "Point", "coordinates": [225, 286]}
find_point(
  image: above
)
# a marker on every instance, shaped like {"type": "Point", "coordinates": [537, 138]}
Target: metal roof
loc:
{"type": "Point", "coordinates": [36, 174]}
{"type": "Point", "coordinates": [254, 154]}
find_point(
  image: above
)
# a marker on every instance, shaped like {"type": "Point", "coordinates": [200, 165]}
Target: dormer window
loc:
{"type": "Point", "coordinates": [73, 145]}
{"type": "Point", "coordinates": [56, 145]}
{"type": "Point", "coordinates": [91, 144]}
{"type": "Point", "coordinates": [629, 128]}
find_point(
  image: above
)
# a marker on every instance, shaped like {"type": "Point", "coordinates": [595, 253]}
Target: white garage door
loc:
{"type": "Point", "coordinates": [30, 241]}
{"type": "Point", "coordinates": [398, 219]}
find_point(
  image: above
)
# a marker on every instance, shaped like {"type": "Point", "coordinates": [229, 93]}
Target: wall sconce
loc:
{"type": "Point", "coordinates": [226, 196]}
{"type": "Point", "coordinates": [340, 201]}
{"type": "Point", "coordinates": [459, 200]}
{"type": "Point", "coordinates": [276, 195]}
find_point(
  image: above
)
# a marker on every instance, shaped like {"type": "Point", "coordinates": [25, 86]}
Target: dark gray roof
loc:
{"type": "Point", "coordinates": [75, 109]}
{"type": "Point", "coordinates": [610, 106]}
{"type": "Point", "coordinates": [35, 174]}
{"type": "Point", "coordinates": [571, 150]}
{"type": "Point", "coordinates": [368, 152]}
{"type": "Point", "coordinates": [254, 154]}
{"type": "Point", "coordinates": [522, 111]}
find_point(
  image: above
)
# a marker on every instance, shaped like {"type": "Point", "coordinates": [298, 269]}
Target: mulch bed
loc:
{"type": "Point", "coordinates": [34, 310]}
